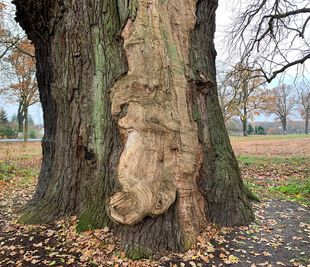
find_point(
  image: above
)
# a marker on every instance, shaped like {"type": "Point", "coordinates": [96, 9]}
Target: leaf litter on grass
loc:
{"type": "Point", "coordinates": [279, 237]}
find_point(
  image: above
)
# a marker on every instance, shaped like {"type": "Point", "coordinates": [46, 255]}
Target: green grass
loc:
{"type": "Point", "coordinates": [286, 177]}
{"type": "Point", "coordinates": [263, 160]}
{"type": "Point", "coordinates": [295, 188]}
{"type": "Point", "coordinates": [9, 170]}
{"type": "Point", "coordinates": [298, 190]}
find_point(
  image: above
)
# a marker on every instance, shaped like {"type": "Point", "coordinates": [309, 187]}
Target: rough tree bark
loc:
{"type": "Point", "coordinates": [284, 124]}
{"type": "Point", "coordinates": [26, 124]}
{"type": "Point", "coordinates": [244, 126]}
{"type": "Point", "coordinates": [134, 134]}
{"type": "Point", "coordinates": [20, 118]}
{"type": "Point", "coordinates": [307, 118]}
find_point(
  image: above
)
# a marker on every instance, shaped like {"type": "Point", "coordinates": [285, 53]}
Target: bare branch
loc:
{"type": "Point", "coordinates": [271, 34]}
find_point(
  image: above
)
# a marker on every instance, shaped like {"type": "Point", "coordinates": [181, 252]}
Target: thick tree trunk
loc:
{"type": "Point", "coordinates": [219, 175]}
{"type": "Point", "coordinates": [284, 125]}
{"type": "Point", "coordinates": [244, 126]}
{"type": "Point", "coordinates": [134, 133]}
{"type": "Point", "coordinates": [26, 126]}
{"type": "Point", "coordinates": [79, 57]}
{"type": "Point", "coordinates": [20, 119]}
{"type": "Point", "coordinates": [307, 123]}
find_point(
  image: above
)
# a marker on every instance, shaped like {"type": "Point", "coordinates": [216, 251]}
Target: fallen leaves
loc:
{"type": "Point", "coordinates": [231, 259]}
{"type": "Point", "coordinates": [279, 237]}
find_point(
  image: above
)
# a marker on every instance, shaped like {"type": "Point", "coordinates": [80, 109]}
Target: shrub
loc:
{"type": "Point", "coordinates": [250, 129]}
{"type": "Point", "coordinates": [7, 132]}
{"type": "Point", "coordinates": [261, 130]}
{"type": "Point", "coordinates": [32, 134]}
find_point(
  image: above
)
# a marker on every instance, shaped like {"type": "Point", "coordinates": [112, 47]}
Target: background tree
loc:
{"type": "Point", "coordinates": [11, 36]}
{"type": "Point", "coordinates": [260, 130]}
{"type": "Point", "coordinates": [228, 95]}
{"type": "Point", "coordinates": [281, 103]}
{"type": "Point", "coordinates": [248, 93]}
{"type": "Point", "coordinates": [132, 121]}
{"type": "Point", "coordinates": [233, 126]}
{"type": "Point", "coordinates": [6, 130]}
{"type": "Point", "coordinates": [30, 120]}
{"type": "Point", "coordinates": [24, 91]}
{"type": "Point", "coordinates": [272, 35]}
{"type": "Point", "coordinates": [3, 32]}
{"type": "Point", "coordinates": [250, 129]}
{"type": "Point", "coordinates": [3, 117]}
{"type": "Point", "coordinates": [303, 92]}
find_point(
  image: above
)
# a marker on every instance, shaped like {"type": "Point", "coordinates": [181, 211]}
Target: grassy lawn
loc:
{"type": "Point", "coordinates": [278, 176]}
{"type": "Point", "coordinates": [265, 160]}
{"type": "Point", "coordinates": [16, 174]}
{"type": "Point", "coordinates": [20, 150]}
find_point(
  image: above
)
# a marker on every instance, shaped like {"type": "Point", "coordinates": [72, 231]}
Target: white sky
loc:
{"type": "Point", "coordinates": [35, 111]}
{"type": "Point", "coordinates": [224, 19]}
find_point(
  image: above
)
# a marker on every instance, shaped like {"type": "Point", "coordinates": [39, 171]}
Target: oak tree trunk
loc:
{"type": "Point", "coordinates": [134, 134]}
{"type": "Point", "coordinates": [307, 122]}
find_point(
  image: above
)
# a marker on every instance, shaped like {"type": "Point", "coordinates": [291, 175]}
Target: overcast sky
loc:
{"type": "Point", "coordinates": [224, 19]}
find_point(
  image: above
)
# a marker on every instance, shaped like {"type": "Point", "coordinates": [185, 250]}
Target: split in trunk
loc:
{"type": "Point", "coordinates": [134, 134]}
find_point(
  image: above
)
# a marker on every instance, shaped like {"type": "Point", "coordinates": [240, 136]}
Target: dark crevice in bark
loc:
{"type": "Point", "coordinates": [75, 69]}
{"type": "Point", "coordinates": [38, 33]}
{"type": "Point", "coordinates": [220, 180]}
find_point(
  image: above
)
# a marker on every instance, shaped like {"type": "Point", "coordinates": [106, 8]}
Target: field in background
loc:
{"type": "Point", "coordinates": [272, 145]}
{"type": "Point", "coordinates": [20, 150]}
{"type": "Point", "coordinates": [275, 165]}
{"type": "Point", "coordinates": [20, 161]}
{"type": "Point", "coordinates": [269, 164]}
{"type": "Point", "coordinates": [260, 145]}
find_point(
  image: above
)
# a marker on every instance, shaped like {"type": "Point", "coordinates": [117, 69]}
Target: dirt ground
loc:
{"type": "Point", "coordinates": [272, 147]}
{"type": "Point", "coordinates": [280, 236]}
{"type": "Point", "coordinates": [20, 151]}
{"type": "Point", "coordinates": [252, 145]}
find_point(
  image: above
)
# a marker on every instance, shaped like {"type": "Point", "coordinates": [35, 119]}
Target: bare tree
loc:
{"type": "Point", "coordinates": [272, 35]}
{"type": "Point", "coordinates": [281, 102]}
{"type": "Point", "coordinates": [247, 93]}
{"type": "Point", "coordinates": [303, 91]}
{"type": "Point", "coordinates": [228, 95]}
